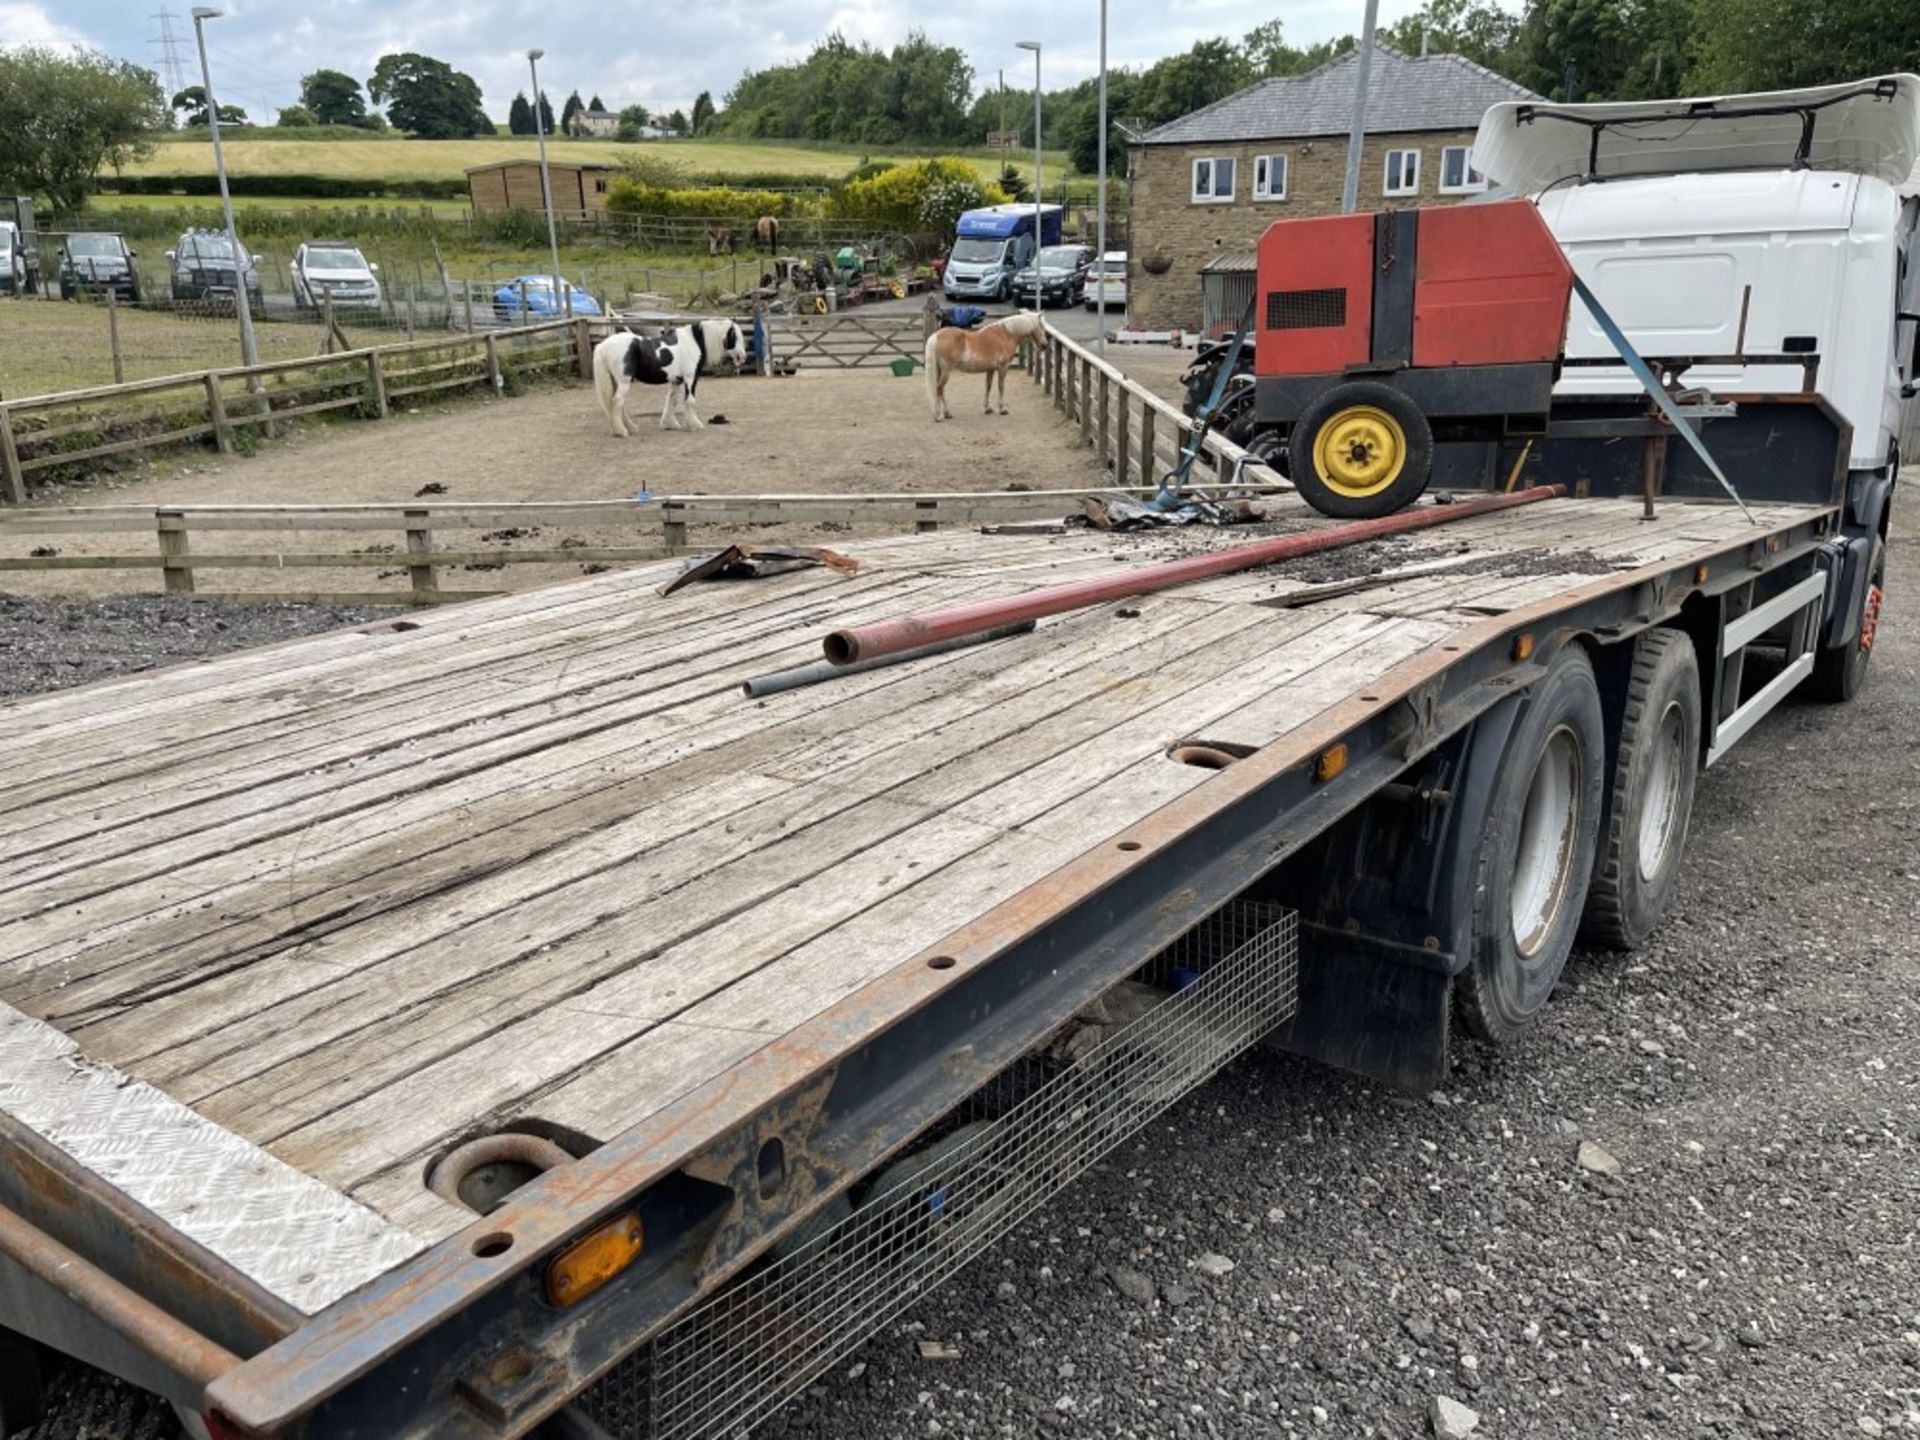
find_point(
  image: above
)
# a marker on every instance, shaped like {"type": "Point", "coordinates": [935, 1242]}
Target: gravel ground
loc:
{"type": "Point", "coordinates": [1752, 1270]}
{"type": "Point", "coordinates": [55, 644]}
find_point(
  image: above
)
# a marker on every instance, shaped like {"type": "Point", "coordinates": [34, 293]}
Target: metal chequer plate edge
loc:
{"type": "Point", "coordinates": [293, 1235]}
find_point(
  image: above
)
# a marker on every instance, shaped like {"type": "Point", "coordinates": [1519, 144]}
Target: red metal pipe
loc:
{"type": "Point", "coordinates": [888, 637]}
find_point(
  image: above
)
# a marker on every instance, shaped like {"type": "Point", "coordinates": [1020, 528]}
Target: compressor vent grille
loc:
{"type": "Point", "coordinates": [1306, 309]}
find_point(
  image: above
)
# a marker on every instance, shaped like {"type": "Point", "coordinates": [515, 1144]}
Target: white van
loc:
{"type": "Point", "coordinates": [13, 260]}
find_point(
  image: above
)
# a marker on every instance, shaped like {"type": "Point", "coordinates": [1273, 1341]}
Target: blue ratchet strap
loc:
{"type": "Point", "coordinates": [1167, 497]}
{"type": "Point", "coordinates": [1651, 384]}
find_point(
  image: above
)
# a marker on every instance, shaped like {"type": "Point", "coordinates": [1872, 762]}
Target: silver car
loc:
{"type": "Point", "coordinates": [13, 260]}
{"type": "Point", "coordinates": [334, 268]}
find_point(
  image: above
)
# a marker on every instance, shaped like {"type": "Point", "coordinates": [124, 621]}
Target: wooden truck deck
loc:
{"type": "Point", "coordinates": [316, 912]}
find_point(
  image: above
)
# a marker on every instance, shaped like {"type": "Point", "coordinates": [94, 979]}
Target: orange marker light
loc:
{"type": "Point", "coordinates": [1523, 647]}
{"type": "Point", "coordinates": [1332, 761]}
{"type": "Point", "coordinates": [594, 1259]}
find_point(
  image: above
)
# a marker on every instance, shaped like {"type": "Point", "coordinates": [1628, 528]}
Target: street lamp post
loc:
{"type": "Point", "coordinates": [1038, 226]}
{"type": "Point", "coordinates": [1357, 135]}
{"type": "Point", "coordinates": [1100, 224]}
{"type": "Point", "coordinates": [562, 303]}
{"type": "Point", "coordinates": [249, 352]}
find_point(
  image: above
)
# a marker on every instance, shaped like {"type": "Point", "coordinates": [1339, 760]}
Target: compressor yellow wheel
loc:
{"type": "Point", "coordinates": [1360, 451]}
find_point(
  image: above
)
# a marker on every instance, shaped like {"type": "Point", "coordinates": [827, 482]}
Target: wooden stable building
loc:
{"type": "Point", "coordinates": [579, 187]}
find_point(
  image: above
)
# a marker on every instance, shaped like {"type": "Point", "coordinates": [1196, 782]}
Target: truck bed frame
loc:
{"type": "Point", "coordinates": [281, 930]}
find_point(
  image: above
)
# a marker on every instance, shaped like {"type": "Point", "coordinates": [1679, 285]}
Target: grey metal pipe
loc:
{"type": "Point", "coordinates": [129, 1314]}
{"type": "Point", "coordinates": [819, 670]}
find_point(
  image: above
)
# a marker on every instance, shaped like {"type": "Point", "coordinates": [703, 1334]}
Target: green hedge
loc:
{"type": "Point", "coordinates": [295, 187]}
{"type": "Point", "coordinates": [627, 196]}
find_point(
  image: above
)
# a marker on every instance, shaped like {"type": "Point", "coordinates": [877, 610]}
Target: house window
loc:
{"type": "Point", "coordinates": [600, 187]}
{"type": "Point", "coordinates": [1213, 180]}
{"type": "Point", "coordinates": [1269, 177]}
{"type": "Point", "coordinates": [1457, 175]}
{"type": "Point", "coordinates": [1403, 172]}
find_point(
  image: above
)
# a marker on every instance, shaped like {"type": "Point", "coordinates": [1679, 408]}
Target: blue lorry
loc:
{"type": "Point", "coordinates": [991, 244]}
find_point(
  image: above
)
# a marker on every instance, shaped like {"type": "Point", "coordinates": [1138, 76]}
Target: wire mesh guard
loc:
{"type": "Point", "coordinates": [732, 1362]}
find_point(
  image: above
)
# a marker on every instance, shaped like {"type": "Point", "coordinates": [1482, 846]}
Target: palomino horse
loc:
{"type": "Point", "coordinates": [991, 349]}
{"type": "Point", "coordinates": [766, 234]}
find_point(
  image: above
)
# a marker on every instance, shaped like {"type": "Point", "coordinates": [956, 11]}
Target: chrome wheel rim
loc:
{"type": "Point", "coordinates": [1543, 858]}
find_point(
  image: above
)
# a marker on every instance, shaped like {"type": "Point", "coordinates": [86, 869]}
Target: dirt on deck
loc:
{"type": "Point", "coordinates": [819, 432]}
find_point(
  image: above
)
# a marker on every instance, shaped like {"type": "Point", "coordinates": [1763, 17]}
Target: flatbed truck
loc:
{"type": "Point", "coordinates": [403, 1028]}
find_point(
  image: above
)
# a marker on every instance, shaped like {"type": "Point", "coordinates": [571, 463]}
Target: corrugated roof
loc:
{"type": "Point", "coordinates": [1404, 92]}
{"type": "Point", "coordinates": [1234, 262]}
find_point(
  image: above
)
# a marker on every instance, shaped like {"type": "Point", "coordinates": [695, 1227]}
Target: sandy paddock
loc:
{"type": "Point", "coordinates": [839, 432]}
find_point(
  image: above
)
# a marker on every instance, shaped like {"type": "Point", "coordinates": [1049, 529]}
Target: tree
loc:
{"type": "Point", "coordinates": [572, 108]}
{"type": "Point", "coordinates": [293, 117]}
{"type": "Point", "coordinates": [546, 113]}
{"type": "Point", "coordinates": [520, 115]}
{"type": "Point", "coordinates": [193, 102]}
{"type": "Point", "coordinates": [428, 97]}
{"type": "Point", "coordinates": [703, 112]}
{"type": "Point", "coordinates": [1210, 70]}
{"type": "Point", "coordinates": [594, 104]}
{"type": "Point", "coordinates": [334, 98]}
{"type": "Point", "coordinates": [633, 119]}
{"type": "Point", "coordinates": [1767, 45]}
{"type": "Point", "coordinates": [1478, 29]}
{"type": "Point", "coordinates": [66, 114]}
{"type": "Point", "coordinates": [676, 123]}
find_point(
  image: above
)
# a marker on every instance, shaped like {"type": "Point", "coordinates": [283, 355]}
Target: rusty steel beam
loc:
{"type": "Point", "coordinates": [889, 637]}
{"type": "Point", "coordinates": [177, 1346]}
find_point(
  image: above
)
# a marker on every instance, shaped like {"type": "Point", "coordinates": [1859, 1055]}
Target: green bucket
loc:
{"type": "Point", "coordinates": [903, 367]}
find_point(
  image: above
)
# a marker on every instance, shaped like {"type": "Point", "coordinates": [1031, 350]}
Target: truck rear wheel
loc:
{"type": "Point", "coordinates": [1534, 858]}
{"type": "Point", "coordinates": [1840, 670]}
{"type": "Point", "coordinates": [1360, 451]}
{"type": "Point", "coordinates": [1644, 827]}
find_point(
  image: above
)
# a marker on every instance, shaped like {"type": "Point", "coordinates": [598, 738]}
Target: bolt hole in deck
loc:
{"type": "Point", "coordinates": [489, 1246]}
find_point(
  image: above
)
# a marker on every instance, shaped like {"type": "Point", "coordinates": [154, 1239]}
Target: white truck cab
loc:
{"type": "Point", "coordinates": [1746, 225]}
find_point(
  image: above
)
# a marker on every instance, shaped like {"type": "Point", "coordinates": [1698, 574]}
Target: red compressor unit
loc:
{"type": "Point", "coordinates": [1371, 331]}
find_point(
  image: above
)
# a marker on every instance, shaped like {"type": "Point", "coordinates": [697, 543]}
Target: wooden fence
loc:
{"type": "Point", "coordinates": [846, 340]}
{"type": "Point", "coordinates": [174, 527]}
{"type": "Point", "coordinates": [1134, 431]}
{"type": "Point", "coordinates": [225, 406]}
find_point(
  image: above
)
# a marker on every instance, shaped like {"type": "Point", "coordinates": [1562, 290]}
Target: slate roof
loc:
{"type": "Point", "coordinates": [1404, 93]}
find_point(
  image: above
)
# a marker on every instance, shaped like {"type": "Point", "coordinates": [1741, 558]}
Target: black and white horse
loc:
{"type": "Point", "coordinates": [675, 358]}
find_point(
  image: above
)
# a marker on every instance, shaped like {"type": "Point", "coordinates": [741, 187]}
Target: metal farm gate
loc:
{"type": "Point", "coordinates": [1226, 290]}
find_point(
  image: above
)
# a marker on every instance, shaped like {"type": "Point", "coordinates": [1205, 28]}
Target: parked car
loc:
{"type": "Point", "coordinates": [204, 269]}
{"type": "Point", "coordinates": [532, 297]}
{"type": "Point", "coordinates": [1114, 266]}
{"type": "Point", "coordinates": [335, 268]}
{"type": "Point", "coordinates": [1063, 269]}
{"type": "Point", "coordinates": [21, 270]}
{"type": "Point", "coordinates": [95, 261]}
{"type": "Point", "coordinates": [13, 259]}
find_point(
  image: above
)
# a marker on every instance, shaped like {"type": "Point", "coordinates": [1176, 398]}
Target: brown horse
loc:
{"type": "Point", "coordinates": [719, 241]}
{"type": "Point", "coordinates": [766, 234]}
{"type": "Point", "coordinates": [991, 349]}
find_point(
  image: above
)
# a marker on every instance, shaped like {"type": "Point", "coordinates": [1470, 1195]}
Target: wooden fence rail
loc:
{"type": "Point", "coordinates": [179, 562]}
{"type": "Point", "coordinates": [41, 432]}
{"type": "Point", "coordinates": [1134, 432]}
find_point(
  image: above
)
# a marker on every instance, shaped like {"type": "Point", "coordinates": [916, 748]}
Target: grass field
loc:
{"type": "Point", "coordinates": [53, 346]}
{"type": "Point", "coordinates": [386, 159]}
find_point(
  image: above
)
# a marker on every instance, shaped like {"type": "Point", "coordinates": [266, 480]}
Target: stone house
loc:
{"type": "Point", "coordinates": [1204, 188]}
{"type": "Point", "coordinates": [594, 125]}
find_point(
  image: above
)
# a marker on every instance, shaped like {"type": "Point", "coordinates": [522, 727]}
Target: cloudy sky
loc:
{"type": "Point", "coordinates": [659, 55]}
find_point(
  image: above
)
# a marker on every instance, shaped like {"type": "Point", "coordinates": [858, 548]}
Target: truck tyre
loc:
{"type": "Point", "coordinates": [1360, 451]}
{"type": "Point", "coordinates": [1840, 670]}
{"type": "Point", "coordinates": [1643, 828]}
{"type": "Point", "coordinates": [1534, 858]}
